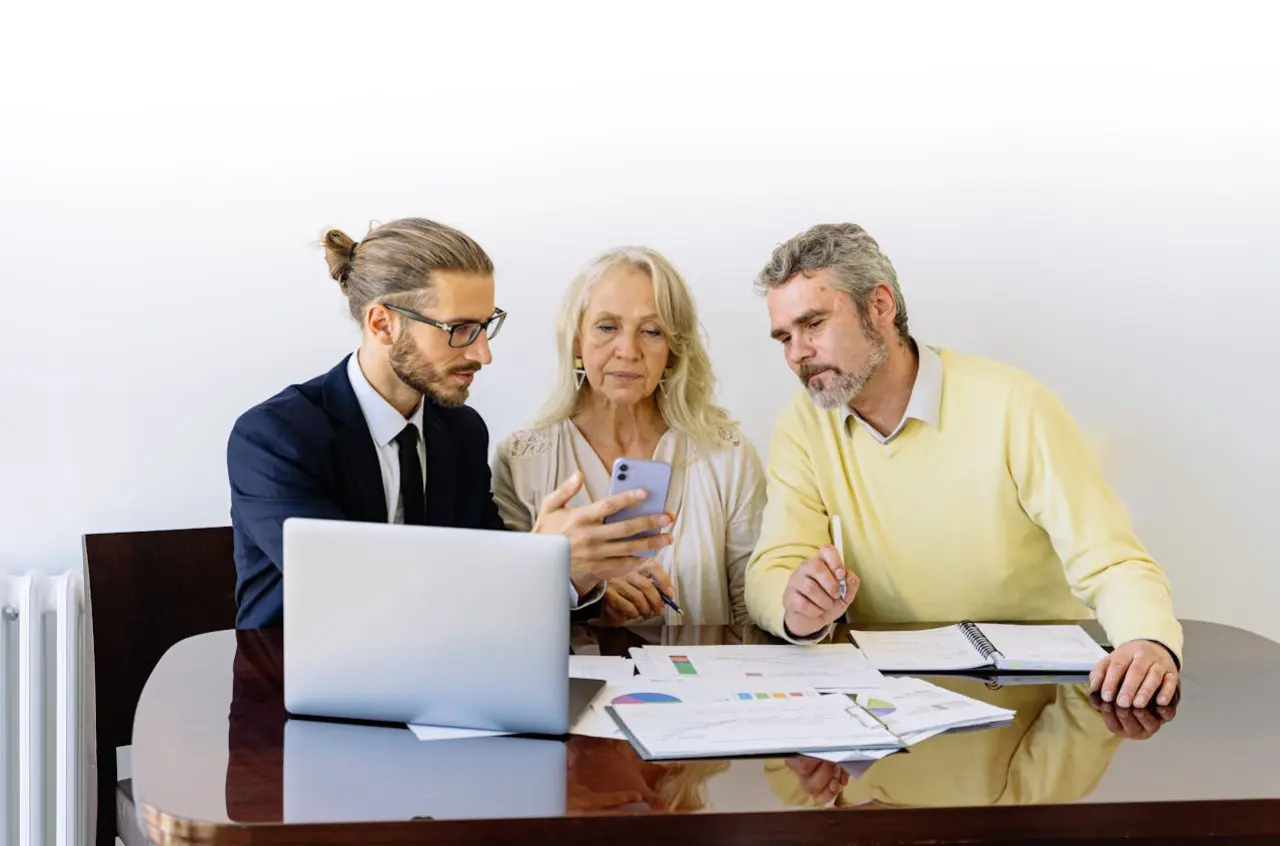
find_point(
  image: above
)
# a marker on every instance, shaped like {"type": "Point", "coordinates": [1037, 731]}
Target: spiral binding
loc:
{"type": "Point", "coordinates": [975, 636]}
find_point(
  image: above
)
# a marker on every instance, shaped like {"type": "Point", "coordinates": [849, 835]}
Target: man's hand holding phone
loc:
{"type": "Point", "coordinates": [600, 551]}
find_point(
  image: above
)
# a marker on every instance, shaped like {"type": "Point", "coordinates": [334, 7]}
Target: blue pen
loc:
{"type": "Point", "coordinates": [666, 599]}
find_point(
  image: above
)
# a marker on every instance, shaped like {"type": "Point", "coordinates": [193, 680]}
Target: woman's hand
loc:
{"type": "Point", "coordinates": [636, 595]}
{"type": "Point", "coordinates": [599, 551]}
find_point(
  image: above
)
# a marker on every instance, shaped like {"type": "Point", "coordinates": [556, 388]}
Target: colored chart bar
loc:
{"type": "Point", "coordinates": [683, 665]}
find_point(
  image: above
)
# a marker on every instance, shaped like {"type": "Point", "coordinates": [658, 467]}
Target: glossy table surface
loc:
{"type": "Point", "coordinates": [216, 759]}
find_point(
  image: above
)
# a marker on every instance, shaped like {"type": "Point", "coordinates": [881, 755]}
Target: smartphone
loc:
{"type": "Point", "coordinates": [653, 476]}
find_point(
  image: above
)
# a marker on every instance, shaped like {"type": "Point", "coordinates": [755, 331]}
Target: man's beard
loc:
{"type": "Point", "coordinates": [426, 378]}
{"type": "Point", "coordinates": [842, 388]}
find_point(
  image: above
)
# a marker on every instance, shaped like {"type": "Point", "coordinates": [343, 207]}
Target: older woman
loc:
{"type": "Point", "coordinates": [635, 381]}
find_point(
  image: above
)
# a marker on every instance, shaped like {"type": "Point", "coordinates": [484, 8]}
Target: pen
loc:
{"type": "Point", "coordinates": [837, 535]}
{"type": "Point", "coordinates": [666, 599]}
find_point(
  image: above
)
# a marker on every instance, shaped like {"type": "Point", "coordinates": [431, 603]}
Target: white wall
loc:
{"type": "Point", "coordinates": [1088, 191]}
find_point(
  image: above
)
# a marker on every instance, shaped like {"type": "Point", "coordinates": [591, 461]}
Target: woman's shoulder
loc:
{"type": "Point", "coordinates": [529, 443]}
{"type": "Point", "coordinates": [726, 444]}
{"type": "Point", "coordinates": [730, 459]}
{"type": "Point", "coordinates": [728, 437]}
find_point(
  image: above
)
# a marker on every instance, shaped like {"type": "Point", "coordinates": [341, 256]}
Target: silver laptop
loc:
{"type": "Point", "coordinates": [344, 772]}
{"type": "Point", "coordinates": [419, 624]}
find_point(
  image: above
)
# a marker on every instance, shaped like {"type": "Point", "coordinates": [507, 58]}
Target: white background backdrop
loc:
{"type": "Point", "coordinates": [1090, 191]}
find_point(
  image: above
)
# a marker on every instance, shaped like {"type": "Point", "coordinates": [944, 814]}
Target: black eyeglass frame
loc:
{"type": "Point", "coordinates": [495, 320]}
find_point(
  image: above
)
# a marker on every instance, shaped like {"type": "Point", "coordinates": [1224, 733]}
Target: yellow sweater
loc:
{"type": "Point", "coordinates": [1000, 513]}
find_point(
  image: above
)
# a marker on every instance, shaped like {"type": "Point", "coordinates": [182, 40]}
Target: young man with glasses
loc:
{"type": "Point", "coordinates": [385, 436]}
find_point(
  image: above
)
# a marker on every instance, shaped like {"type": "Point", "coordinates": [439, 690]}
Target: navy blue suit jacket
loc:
{"type": "Point", "coordinates": [307, 452]}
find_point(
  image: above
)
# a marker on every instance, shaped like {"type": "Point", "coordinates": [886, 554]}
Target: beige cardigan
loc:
{"type": "Point", "coordinates": [717, 495]}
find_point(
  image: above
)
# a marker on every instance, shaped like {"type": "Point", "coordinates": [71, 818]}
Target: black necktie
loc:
{"type": "Point", "coordinates": [411, 487]}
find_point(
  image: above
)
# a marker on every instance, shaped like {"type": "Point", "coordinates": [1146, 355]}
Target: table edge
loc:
{"type": "Point", "coordinates": [1223, 820]}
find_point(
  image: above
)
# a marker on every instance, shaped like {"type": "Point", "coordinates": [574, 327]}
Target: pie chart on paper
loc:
{"type": "Point", "coordinates": [643, 698]}
{"type": "Point", "coordinates": [880, 707]}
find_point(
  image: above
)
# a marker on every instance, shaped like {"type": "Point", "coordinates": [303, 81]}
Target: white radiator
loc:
{"type": "Point", "coordinates": [43, 790]}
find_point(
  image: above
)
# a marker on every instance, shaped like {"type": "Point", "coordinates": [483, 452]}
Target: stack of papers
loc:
{"type": "Point", "coordinates": [758, 727]}
{"type": "Point", "coordinates": [669, 719]}
{"type": "Point", "coordinates": [827, 701]}
{"type": "Point", "coordinates": [696, 719]}
{"type": "Point", "coordinates": [915, 710]}
{"type": "Point", "coordinates": [909, 706]}
{"type": "Point", "coordinates": [834, 667]}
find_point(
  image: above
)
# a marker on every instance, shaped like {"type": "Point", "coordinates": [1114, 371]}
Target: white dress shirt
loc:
{"type": "Point", "coordinates": [384, 423]}
{"type": "Point", "coordinates": [925, 403]}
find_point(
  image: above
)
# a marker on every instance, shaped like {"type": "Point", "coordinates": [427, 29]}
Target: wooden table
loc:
{"type": "Point", "coordinates": [217, 760]}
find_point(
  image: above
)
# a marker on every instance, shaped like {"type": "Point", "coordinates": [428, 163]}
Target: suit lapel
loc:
{"type": "Point", "coordinates": [355, 448]}
{"type": "Point", "coordinates": [442, 469]}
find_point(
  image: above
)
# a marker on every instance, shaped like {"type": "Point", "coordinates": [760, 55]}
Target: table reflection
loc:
{"type": "Point", "coordinates": [609, 775]}
{"type": "Point", "coordinates": [255, 728]}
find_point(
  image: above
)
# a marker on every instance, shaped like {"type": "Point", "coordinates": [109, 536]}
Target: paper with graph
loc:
{"type": "Point", "coordinates": [910, 706]}
{"type": "Point", "coordinates": [596, 722]}
{"type": "Point", "coordinates": [826, 667]}
{"type": "Point", "coordinates": [915, 710]}
{"type": "Point", "coordinates": [750, 727]}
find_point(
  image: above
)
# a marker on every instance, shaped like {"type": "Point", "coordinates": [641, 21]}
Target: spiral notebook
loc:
{"type": "Point", "coordinates": [977, 646]}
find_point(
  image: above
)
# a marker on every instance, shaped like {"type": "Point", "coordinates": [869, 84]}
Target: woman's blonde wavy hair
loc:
{"type": "Point", "coordinates": [686, 397]}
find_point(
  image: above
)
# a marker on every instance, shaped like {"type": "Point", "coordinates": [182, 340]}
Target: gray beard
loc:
{"type": "Point", "coordinates": [843, 388]}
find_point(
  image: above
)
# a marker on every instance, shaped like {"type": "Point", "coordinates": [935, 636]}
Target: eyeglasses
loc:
{"type": "Point", "coordinates": [460, 334]}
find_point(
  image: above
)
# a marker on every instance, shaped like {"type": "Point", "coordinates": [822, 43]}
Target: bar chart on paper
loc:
{"type": "Point", "coordinates": [683, 666]}
{"type": "Point", "coordinates": [763, 695]}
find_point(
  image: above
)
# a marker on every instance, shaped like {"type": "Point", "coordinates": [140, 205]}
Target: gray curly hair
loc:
{"type": "Point", "coordinates": [852, 256]}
